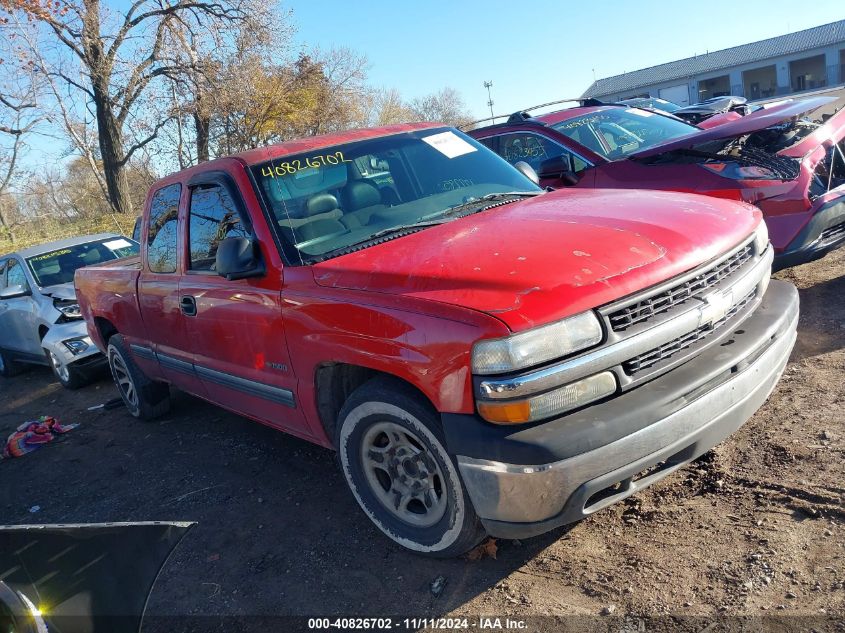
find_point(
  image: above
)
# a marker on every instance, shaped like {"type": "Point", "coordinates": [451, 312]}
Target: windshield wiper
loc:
{"type": "Point", "coordinates": [491, 197]}
{"type": "Point", "coordinates": [445, 216]}
{"type": "Point", "coordinates": [402, 228]}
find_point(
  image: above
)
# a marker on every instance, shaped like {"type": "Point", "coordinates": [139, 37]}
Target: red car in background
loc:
{"type": "Point", "coordinates": [791, 167]}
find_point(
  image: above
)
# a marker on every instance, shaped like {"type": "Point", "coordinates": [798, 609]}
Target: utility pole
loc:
{"type": "Point", "coordinates": [488, 85]}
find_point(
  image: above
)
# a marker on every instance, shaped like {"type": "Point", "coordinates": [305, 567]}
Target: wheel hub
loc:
{"type": "Point", "coordinates": [403, 475]}
{"type": "Point", "coordinates": [59, 367]}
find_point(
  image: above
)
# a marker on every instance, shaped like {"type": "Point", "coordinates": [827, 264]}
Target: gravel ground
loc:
{"type": "Point", "coordinates": [754, 528]}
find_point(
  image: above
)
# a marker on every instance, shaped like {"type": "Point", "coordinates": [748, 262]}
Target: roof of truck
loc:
{"type": "Point", "coordinates": [262, 154]}
{"type": "Point", "coordinates": [40, 249]}
{"type": "Point", "coordinates": [311, 143]}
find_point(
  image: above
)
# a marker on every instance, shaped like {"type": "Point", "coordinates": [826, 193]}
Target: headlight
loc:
{"type": "Point", "coordinates": [554, 402]}
{"type": "Point", "coordinates": [69, 310]}
{"type": "Point", "coordinates": [739, 171]}
{"type": "Point", "coordinates": [533, 347]}
{"type": "Point", "coordinates": [761, 238]}
{"type": "Point", "coordinates": [76, 345]}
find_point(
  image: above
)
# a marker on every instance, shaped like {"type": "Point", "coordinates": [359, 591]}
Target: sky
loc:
{"type": "Point", "coordinates": [533, 52]}
{"type": "Point", "coordinates": [536, 51]}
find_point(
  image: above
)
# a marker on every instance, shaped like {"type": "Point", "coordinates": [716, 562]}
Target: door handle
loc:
{"type": "Point", "coordinates": [188, 305]}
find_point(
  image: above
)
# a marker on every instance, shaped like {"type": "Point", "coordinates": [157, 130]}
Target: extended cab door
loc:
{"type": "Point", "coordinates": [236, 333]}
{"type": "Point", "coordinates": [165, 351]}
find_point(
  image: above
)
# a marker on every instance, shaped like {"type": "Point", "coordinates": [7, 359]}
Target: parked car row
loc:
{"type": "Point", "coordinates": [790, 167]}
{"type": "Point", "coordinates": [486, 355]}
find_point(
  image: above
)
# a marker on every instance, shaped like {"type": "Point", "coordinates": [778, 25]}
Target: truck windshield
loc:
{"type": "Point", "coordinates": [58, 266]}
{"type": "Point", "coordinates": [615, 133]}
{"type": "Point", "coordinates": [333, 198]}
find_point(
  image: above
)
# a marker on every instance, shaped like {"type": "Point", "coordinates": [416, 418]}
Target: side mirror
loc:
{"type": "Point", "coordinates": [13, 292]}
{"type": "Point", "coordinates": [559, 167]}
{"type": "Point", "coordinates": [238, 258]}
{"type": "Point", "coordinates": [528, 171]}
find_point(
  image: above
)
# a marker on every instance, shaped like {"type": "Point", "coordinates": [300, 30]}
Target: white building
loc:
{"type": "Point", "coordinates": [784, 65]}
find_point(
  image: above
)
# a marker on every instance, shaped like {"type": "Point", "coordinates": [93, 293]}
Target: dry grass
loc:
{"type": "Point", "coordinates": [50, 229]}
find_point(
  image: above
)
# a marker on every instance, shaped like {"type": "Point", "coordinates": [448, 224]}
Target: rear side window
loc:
{"type": "Point", "coordinates": [214, 217]}
{"type": "Point", "coordinates": [162, 230]}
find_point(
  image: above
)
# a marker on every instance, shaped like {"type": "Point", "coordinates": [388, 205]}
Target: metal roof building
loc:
{"type": "Point", "coordinates": [806, 60]}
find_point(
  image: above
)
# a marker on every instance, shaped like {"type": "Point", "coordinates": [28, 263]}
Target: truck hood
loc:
{"type": "Point", "coordinates": [545, 258]}
{"type": "Point", "coordinates": [60, 291]}
{"type": "Point", "coordinates": [758, 120]}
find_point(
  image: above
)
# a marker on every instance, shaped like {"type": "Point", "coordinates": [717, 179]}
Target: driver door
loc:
{"type": "Point", "coordinates": [234, 328]}
{"type": "Point", "coordinates": [17, 316]}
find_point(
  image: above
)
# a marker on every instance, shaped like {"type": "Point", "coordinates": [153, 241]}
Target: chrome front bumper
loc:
{"type": "Point", "coordinates": [516, 500]}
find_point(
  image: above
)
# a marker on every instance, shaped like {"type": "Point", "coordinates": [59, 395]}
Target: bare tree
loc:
{"type": "Point", "coordinates": [446, 106]}
{"type": "Point", "coordinates": [120, 55]}
{"type": "Point", "coordinates": [18, 117]}
{"type": "Point", "coordinates": [388, 107]}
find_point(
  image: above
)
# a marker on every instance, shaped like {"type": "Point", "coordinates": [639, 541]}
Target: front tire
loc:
{"type": "Point", "coordinates": [392, 453]}
{"type": "Point", "coordinates": [68, 375]}
{"type": "Point", "coordinates": [144, 398]}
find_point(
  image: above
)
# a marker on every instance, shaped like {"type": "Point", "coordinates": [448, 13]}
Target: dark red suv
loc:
{"type": "Point", "coordinates": [776, 158]}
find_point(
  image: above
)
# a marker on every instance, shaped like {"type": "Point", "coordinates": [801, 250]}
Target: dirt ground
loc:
{"type": "Point", "coordinates": [754, 528]}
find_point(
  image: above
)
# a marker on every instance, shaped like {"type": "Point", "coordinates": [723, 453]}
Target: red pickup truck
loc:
{"type": "Point", "coordinates": [484, 355]}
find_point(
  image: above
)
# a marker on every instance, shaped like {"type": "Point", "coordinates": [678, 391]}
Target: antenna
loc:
{"type": "Point", "coordinates": [488, 85]}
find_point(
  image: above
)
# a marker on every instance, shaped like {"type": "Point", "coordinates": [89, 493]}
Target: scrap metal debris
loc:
{"type": "Point", "coordinates": [438, 585]}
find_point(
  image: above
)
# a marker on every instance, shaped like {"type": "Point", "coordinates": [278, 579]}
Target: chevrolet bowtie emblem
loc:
{"type": "Point", "coordinates": [716, 307]}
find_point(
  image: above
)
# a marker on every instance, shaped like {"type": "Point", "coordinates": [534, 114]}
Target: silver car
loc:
{"type": "Point", "coordinates": [40, 321]}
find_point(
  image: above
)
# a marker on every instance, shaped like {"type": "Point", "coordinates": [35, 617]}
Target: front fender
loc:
{"type": "Point", "coordinates": [429, 350]}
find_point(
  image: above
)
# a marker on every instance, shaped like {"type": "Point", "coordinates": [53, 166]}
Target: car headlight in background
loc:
{"type": "Point", "coordinates": [76, 345]}
{"type": "Point", "coordinates": [536, 346]}
{"type": "Point", "coordinates": [738, 171]}
{"type": "Point", "coordinates": [761, 238]}
{"type": "Point", "coordinates": [69, 309]}
{"type": "Point", "coordinates": [554, 402]}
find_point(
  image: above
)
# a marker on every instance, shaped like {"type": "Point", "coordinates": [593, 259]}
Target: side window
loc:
{"type": "Point", "coordinates": [214, 217]}
{"type": "Point", "coordinates": [489, 142]}
{"type": "Point", "coordinates": [534, 149]}
{"type": "Point", "coordinates": [162, 231]}
{"type": "Point", "coordinates": [15, 275]}
{"type": "Point", "coordinates": [3, 264]}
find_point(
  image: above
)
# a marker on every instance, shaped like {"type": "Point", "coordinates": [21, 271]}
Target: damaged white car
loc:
{"type": "Point", "coordinates": [40, 321]}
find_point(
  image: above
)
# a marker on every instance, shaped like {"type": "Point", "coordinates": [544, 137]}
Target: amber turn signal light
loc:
{"type": "Point", "coordinates": [514, 412]}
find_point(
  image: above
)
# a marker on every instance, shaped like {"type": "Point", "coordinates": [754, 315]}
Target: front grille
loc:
{"type": "Point", "coordinates": [643, 310]}
{"type": "Point", "coordinates": [667, 350]}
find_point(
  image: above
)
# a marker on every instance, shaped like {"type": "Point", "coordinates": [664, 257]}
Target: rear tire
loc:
{"type": "Point", "coordinates": [393, 455]}
{"type": "Point", "coordinates": [69, 376]}
{"type": "Point", "coordinates": [144, 398]}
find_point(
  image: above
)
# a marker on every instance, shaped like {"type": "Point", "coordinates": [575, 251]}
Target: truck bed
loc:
{"type": "Point", "coordinates": [110, 291]}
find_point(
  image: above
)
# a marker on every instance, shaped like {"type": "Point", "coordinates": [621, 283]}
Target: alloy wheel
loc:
{"type": "Point", "coordinates": [124, 380]}
{"type": "Point", "coordinates": [403, 475]}
{"type": "Point", "coordinates": [58, 366]}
